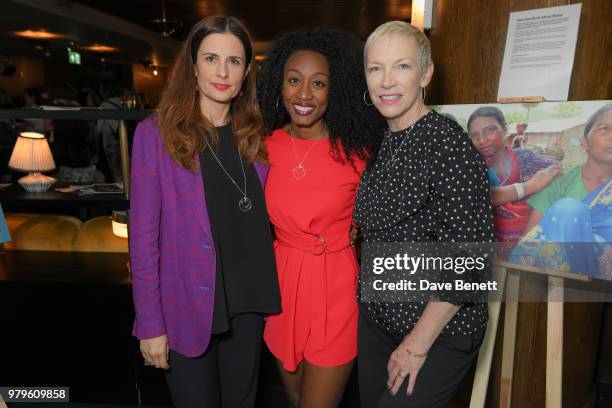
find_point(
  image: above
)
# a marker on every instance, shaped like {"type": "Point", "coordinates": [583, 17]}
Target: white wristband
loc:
{"type": "Point", "coordinates": [520, 190]}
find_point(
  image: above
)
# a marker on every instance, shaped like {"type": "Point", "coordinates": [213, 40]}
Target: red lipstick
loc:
{"type": "Point", "coordinates": [221, 87]}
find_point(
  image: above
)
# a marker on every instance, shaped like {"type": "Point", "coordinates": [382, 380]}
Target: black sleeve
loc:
{"type": "Point", "coordinates": [460, 188]}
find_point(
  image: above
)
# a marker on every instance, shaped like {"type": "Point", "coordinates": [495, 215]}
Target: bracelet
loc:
{"type": "Point", "coordinates": [415, 354]}
{"type": "Point", "coordinates": [520, 190]}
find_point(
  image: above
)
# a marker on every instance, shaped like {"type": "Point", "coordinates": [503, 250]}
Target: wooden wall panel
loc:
{"type": "Point", "coordinates": [468, 41]}
{"type": "Point", "coordinates": [468, 44]}
{"type": "Point", "coordinates": [592, 75]}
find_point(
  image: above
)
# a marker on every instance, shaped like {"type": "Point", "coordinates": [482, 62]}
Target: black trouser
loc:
{"type": "Point", "coordinates": [226, 374]}
{"type": "Point", "coordinates": [447, 362]}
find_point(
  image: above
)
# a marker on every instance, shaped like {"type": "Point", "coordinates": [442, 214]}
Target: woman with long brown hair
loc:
{"type": "Point", "coordinates": [200, 243]}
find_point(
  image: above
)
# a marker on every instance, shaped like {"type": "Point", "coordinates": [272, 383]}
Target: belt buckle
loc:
{"type": "Point", "coordinates": [323, 243]}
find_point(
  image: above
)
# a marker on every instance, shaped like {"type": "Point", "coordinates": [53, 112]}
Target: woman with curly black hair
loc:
{"type": "Point", "coordinates": [320, 137]}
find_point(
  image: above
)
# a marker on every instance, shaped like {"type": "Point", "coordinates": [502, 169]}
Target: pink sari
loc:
{"type": "Point", "coordinates": [510, 219]}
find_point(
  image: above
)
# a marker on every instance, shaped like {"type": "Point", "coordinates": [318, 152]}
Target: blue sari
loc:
{"type": "Point", "coordinates": [573, 236]}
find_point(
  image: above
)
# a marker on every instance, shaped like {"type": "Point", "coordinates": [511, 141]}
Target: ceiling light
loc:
{"type": "Point", "coordinates": [38, 34]}
{"type": "Point", "coordinates": [99, 48]}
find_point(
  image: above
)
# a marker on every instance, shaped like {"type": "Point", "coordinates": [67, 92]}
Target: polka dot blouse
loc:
{"type": "Point", "coordinates": [427, 184]}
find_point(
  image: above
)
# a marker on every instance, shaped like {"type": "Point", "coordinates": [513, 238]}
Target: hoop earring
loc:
{"type": "Point", "coordinates": [277, 98]}
{"type": "Point", "coordinates": [423, 93]}
{"type": "Point", "coordinates": [364, 99]}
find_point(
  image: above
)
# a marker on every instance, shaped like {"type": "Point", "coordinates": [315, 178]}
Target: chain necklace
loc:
{"type": "Point", "coordinates": [386, 166]}
{"type": "Point", "coordinates": [392, 160]}
{"type": "Point", "coordinates": [245, 204]}
{"type": "Point", "coordinates": [382, 165]}
{"type": "Point", "coordinates": [399, 147]}
{"type": "Point", "coordinates": [299, 171]}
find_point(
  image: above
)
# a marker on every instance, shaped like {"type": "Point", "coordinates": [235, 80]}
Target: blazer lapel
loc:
{"type": "Point", "coordinates": [192, 188]}
{"type": "Point", "coordinates": [262, 172]}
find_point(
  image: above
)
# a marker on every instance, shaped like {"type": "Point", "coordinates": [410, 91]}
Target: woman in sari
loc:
{"type": "Point", "coordinates": [513, 173]}
{"type": "Point", "coordinates": [573, 215]}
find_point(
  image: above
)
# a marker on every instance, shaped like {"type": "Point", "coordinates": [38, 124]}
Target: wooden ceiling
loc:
{"type": "Point", "coordinates": [266, 19]}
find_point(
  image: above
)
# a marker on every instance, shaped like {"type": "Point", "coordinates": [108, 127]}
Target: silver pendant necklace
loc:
{"type": "Point", "coordinates": [399, 147]}
{"type": "Point", "coordinates": [414, 120]}
{"type": "Point", "coordinates": [386, 165]}
{"type": "Point", "coordinates": [245, 204]}
{"type": "Point", "coordinates": [299, 172]}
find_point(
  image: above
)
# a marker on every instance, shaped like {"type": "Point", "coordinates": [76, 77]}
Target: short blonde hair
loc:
{"type": "Point", "coordinates": [403, 28]}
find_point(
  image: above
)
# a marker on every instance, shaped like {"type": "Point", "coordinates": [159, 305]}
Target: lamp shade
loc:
{"type": "Point", "coordinates": [31, 153]}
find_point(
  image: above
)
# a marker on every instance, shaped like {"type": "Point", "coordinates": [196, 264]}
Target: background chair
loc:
{"type": "Point", "coordinates": [96, 235]}
{"type": "Point", "coordinates": [43, 232]}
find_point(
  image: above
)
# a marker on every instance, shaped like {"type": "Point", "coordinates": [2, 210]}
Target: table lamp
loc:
{"type": "Point", "coordinates": [120, 223]}
{"type": "Point", "coordinates": [32, 154]}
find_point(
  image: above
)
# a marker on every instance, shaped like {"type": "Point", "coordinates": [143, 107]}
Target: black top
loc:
{"type": "Point", "coordinates": [427, 184]}
{"type": "Point", "coordinates": [246, 279]}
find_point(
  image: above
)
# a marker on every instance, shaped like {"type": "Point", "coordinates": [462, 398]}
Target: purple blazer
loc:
{"type": "Point", "coordinates": [172, 254]}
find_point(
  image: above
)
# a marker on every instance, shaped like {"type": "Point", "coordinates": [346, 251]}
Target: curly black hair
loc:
{"type": "Point", "coordinates": [358, 128]}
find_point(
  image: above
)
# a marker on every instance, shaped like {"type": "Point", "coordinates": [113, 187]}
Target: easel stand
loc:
{"type": "Point", "coordinates": [510, 273]}
{"type": "Point", "coordinates": [485, 355]}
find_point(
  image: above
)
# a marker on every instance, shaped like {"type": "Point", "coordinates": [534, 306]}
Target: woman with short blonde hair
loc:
{"type": "Point", "coordinates": [427, 184]}
{"type": "Point", "coordinates": [423, 48]}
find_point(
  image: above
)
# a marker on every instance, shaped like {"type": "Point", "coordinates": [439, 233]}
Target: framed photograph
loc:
{"type": "Point", "coordinates": [550, 169]}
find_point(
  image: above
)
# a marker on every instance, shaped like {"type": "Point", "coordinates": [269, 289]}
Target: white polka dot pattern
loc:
{"type": "Point", "coordinates": [431, 188]}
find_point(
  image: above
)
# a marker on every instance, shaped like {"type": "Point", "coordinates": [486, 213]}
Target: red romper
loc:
{"type": "Point", "coordinates": [317, 267]}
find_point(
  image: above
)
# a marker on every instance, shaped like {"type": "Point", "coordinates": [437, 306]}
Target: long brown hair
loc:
{"type": "Point", "coordinates": [184, 130]}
